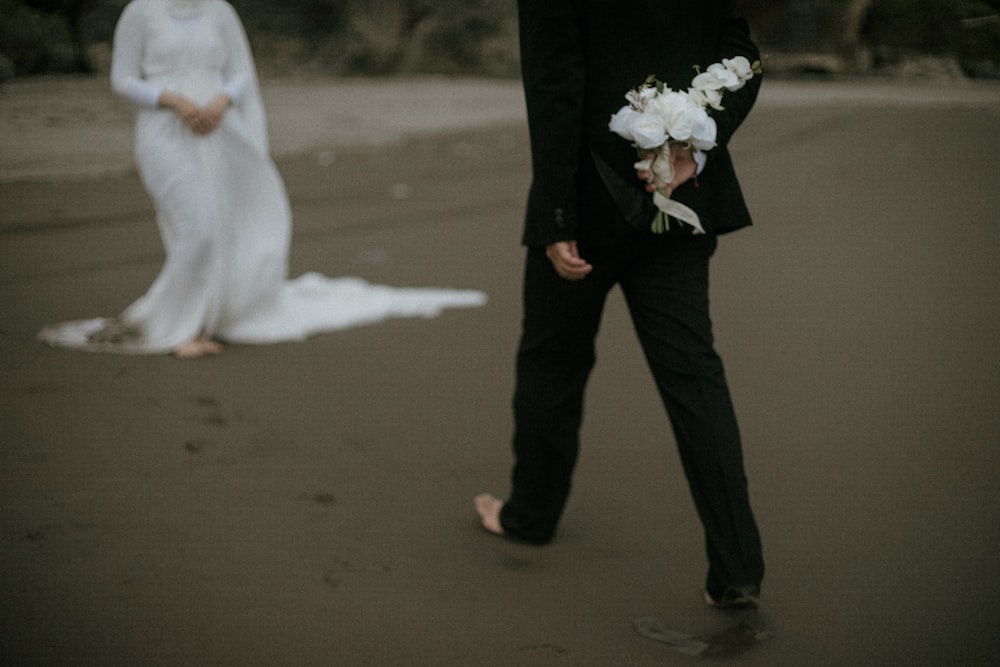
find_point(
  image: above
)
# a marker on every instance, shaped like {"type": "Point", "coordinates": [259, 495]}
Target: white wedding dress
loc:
{"type": "Point", "coordinates": [221, 206]}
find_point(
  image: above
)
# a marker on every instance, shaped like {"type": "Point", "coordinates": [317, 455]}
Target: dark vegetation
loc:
{"type": "Point", "coordinates": [479, 37]}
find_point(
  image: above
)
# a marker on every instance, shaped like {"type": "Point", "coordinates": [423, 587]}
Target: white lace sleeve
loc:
{"type": "Point", "coordinates": [126, 56]}
{"type": "Point", "coordinates": [241, 77]}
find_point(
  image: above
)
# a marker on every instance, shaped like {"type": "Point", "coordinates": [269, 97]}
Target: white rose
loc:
{"type": "Point", "coordinates": [648, 130]}
{"type": "Point", "coordinates": [704, 131]}
{"type": "Point", "coordinates": [621, 122]}
{"type": "Point", "coordinates": [678, 111]}
{"type": "Point", "coordinates": [667, 106]}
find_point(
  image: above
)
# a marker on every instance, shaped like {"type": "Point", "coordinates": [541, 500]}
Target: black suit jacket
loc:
{"type": "Point", "coordinates": [578, 59]}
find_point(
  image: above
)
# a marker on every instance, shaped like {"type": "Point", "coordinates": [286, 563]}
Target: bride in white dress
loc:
{"type": "Point", "coordinates": [202, 152]}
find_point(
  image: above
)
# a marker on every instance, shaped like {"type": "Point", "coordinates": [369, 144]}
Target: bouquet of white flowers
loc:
{"type": "Point", "coordinates": [657, 117]}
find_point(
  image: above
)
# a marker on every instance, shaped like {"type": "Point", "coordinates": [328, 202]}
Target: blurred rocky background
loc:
{"type": "Point", "coordinates": [938, 39]}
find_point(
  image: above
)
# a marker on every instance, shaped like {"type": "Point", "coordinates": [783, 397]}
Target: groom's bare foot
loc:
{"type": "Point", "coordinates": [488, 507]}
{"type": "Point", "coordinates": [199, 347]}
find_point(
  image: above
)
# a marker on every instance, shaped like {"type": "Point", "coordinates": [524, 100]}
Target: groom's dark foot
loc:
{"type": "Point", "coordinates": [735, 597]}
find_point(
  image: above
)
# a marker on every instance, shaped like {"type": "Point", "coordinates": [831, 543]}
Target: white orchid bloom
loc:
{"type": "Point", "coordinates": [740, 67]}
{"type": "Point", "coordinates": [707, 81]}
{"type": "Point", "coordinates": [725, 76]}
{"type": "Point", "coordinates": [707, 97]}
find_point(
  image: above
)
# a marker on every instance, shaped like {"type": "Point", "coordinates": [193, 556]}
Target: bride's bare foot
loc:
{"type": "Point", "coordinates": [199, 347]}
{"type": "Point", "coordinates": [488, 507]}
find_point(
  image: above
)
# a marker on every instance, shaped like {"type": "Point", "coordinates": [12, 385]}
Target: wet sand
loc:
{"type": "Point", "coordinates": [310, 503]}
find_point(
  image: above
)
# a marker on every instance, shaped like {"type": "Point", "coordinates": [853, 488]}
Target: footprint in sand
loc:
{"type": "Point", "coordinates": [210, 404]}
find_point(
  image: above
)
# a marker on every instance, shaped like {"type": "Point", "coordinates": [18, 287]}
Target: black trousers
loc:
{"type": "Point", "coordinates": [665, 284]}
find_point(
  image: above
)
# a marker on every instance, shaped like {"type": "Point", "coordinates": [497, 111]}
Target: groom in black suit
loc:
{"type": "Point", "coordinates": [587, 228]}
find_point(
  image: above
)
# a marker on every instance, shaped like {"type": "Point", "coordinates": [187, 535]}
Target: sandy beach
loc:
{"type": "Point", "coordinates": [310, 503]}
